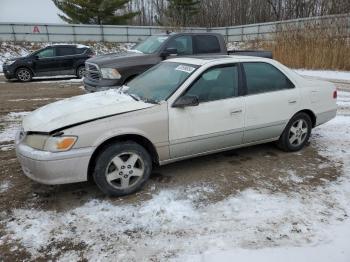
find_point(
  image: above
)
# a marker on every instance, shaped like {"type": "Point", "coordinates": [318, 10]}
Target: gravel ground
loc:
{"type": "Point", "coordinates": [39, 222]}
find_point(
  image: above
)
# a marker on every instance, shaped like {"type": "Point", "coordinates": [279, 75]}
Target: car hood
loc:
{"type": "Point", "coordinates": [117, 59]}
{"type": "Point", "coordinates": [16, 58]}
{"type": "Point", "coordinates": [80, 109]}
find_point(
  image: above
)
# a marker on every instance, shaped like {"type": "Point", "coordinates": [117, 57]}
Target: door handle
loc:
{"type": "Point", "coordinates": [292, 101]}
{"type": "Point", "coordinates": [238, 111]}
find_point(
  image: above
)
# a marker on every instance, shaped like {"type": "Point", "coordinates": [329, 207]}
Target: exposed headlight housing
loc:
{"type": "Point", "coordinates": [110, 73]}
{"type": "Point", "coordinates": [50, 143]}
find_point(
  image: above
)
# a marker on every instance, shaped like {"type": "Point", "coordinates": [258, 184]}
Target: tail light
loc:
{"type": "Point", "coordinates": [335, 94]}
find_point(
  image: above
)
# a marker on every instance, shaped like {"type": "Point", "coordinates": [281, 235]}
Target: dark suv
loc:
{"type": "Point", "coordinates": [52, 60]}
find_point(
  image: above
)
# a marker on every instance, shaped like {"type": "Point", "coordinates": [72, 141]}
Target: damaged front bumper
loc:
{"type": "Point", "coordinates": [54, 168]}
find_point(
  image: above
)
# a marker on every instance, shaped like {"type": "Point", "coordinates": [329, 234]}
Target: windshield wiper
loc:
{"type": "Point", "coordinates": [135, 97]}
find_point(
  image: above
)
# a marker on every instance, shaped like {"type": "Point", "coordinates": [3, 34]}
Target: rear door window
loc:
{"type": "Point", "coordinates": [263, 77]}
{"type": "Point", "coordinates": [64, 51]}
{"type": "Point", "coordinates": [206, 44]}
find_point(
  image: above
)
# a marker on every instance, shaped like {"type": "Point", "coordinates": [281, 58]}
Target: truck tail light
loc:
{"type": "Point", "coordinates": [335, 94]}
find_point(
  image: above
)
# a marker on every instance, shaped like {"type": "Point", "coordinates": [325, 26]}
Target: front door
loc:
{"type": "Point", "coordinates": [45, 62]}
{"type": "Point", "coordinates": [271, 101]}
{"type": "Point", "coordinates": [216, 123]}
{"type": "Point", "coordinates": [183, 45]}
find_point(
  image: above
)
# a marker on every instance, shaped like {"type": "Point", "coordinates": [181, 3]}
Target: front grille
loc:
{"type": "Point", "coordinates": [92, 71]}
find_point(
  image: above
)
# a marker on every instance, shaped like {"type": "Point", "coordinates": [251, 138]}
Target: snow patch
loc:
{"type": "Point", "coordinates": [10, 124]}
{"type": "Point", "coordinates": [4, 186]}
{"type": "Point", "coordinates": [6, 147]}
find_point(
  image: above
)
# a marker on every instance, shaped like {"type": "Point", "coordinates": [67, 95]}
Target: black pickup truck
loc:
{"type": "Point", "coordinates": [112, 70]}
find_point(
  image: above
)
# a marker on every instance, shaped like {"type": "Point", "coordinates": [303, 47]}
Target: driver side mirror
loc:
{"type": "Point", "coordinates": [36, 57]}
{"type": "Point", "coordinates": [168, 52]}
{"type": "Point", "coordinates": [186, 100]}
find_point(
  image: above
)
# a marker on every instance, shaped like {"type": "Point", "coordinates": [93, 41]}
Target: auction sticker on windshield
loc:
{"type": "Point", "coordinates": [185, 68]}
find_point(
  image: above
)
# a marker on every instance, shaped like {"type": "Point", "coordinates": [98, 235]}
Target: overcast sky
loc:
{"type": "Point", "coordinates": [30, 11]}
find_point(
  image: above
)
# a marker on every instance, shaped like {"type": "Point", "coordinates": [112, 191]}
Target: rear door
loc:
{"type": "Point", "coordinates": [66, 56]}
{"type": "Point", "coordinates": [271, 101]}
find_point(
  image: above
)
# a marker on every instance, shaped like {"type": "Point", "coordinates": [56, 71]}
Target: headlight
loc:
{"type": "Point", "coordinates": [110, 73]}
{"type": "Point", "coordinates": [50, 143]}
{"type": "Point", "coordinates": [61, 143]}
{"type": "Point", "coordinates": [9, 62]}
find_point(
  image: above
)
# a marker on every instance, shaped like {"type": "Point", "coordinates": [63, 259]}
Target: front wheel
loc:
{"type": "Point", "coordinates": [122, 168]}
{"type": "Point", "coordinates": [296, 134]}
{"type": "Point", "coordinates": [24, 74]}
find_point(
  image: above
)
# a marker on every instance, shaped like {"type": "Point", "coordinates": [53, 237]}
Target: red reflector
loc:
{"type": "Point", "coordinates": [335, 94]}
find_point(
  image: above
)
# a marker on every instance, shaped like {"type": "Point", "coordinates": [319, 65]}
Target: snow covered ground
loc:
{"type": "Point", "coordinates": [180, 224]}
{"type": "Point", "coordinates": [9, 126]}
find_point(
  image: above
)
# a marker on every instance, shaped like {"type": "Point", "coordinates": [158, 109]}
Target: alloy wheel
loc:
{"type": "Point", "coordinates": [125, 170]}
{"type": "Point", "coordinates": [24, 75]}
{"type": "Point", "coordinates": [298, 132]}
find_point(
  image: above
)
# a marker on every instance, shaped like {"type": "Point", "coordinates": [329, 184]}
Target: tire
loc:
{"type": "Point", "coordinates": [24, 74]}
{"type": "Point", "coordinates": [122, 168]}
{"type": "Point", "coordinates": [80, 71]}
{"type": "Point", "coordinates": [296, 134]}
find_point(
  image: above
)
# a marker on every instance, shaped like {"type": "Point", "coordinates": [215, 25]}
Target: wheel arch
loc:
{"type": "Point", "coordinates": [26, 67]}
{"type": "Point", "coordinates": [311, 114]}
{"type": "Point", "coordinates": [141, 140]}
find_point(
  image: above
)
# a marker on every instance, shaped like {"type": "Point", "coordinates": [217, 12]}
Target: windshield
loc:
{"type": "Point", "coordinates": [159, 82]}
{"type": "Point", "coordinates": [150, 45]}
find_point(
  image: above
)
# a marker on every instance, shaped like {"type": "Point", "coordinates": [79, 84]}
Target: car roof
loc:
{"type": "Point", "coordinates": [69, 45]}
{"type": "Point", "coordinates": [202, 60]}
{"type": "Point", "coordinates": [186, 33]}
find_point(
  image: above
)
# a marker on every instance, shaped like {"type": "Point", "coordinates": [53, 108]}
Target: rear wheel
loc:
{"type": "Point", "coordinates": [296, 134]}
{"type": "Point", "coordinates": [24, 74]}
{"type": "Point", "coordinates": [80, 71]}
{"type": "Point", "coordinates": [122, 168]}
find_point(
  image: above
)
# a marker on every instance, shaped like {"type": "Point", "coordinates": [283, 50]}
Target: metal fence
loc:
{"type": "Point", "coordinates": [20, 32]}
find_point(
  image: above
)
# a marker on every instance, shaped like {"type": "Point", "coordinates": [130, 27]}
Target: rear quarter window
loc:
{"type": "Point", "coordinates": [263, 77]}
{"type": "Point", "coordinates": [206, 44]}
{"type": "Point", "coordinates": [84, 50]}
{"type": "Point", "coordinates": [63, 51]}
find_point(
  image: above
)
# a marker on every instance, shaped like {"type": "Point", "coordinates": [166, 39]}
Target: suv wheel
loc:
{"type": "Point", "coordinates": [24, 74]}
{"type": "Point", "coordinates": [296, 134]}
{"type": "Point", "coordinates": [122, 168]}
{"type": "Point", "coordinates": [80, 71]}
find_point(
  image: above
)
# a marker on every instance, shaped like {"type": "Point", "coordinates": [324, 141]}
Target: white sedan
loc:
{"type": "Point", "coordinates": [179, 109]}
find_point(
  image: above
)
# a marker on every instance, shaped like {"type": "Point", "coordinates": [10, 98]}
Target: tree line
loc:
{"type": "Point", "coordinates": [203, 13]}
